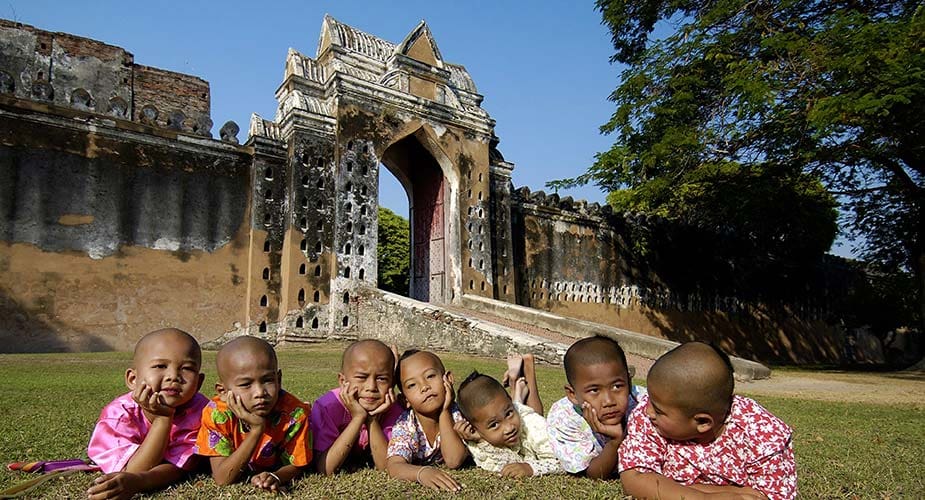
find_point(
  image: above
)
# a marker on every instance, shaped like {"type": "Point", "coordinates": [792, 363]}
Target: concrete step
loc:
{"type": "Point", "coordinates": [642, 350]}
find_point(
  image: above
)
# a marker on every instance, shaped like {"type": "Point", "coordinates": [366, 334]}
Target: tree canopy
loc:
{"type": "Point", "coordinates": [393, 252]}
{"type": "Point", "coordinates": [761, 116]}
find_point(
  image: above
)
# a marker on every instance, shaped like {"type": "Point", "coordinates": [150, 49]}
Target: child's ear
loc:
{"type": "Point", "coordinates": [449, 377]}
{"type": "Point", "coordinates": [570, 394]}
{"type": "Point", "coordinates": [341, 379]}
{"type": "Point", "coordinates": [130, 377]}
{"type": "Point", "coordinates": [202, 378]}
{"type": "Point", "coordinates": [279, 378]}
{"type": "Point", "coordinates": [220, 388]}
{"type": "Point", "coordinates": [704, 422]}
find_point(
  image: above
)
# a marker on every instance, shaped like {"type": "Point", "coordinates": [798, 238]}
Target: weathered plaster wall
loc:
{"type": "Point", "coordinates": [572, 259]}
{"type": "Point", "coordinates": [111, 232]}
{"type": "Point", "coordinates": [88, 75]}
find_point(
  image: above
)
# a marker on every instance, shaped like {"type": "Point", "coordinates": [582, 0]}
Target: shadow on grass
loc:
{"type": "Point", "coordinates": [34, 329]}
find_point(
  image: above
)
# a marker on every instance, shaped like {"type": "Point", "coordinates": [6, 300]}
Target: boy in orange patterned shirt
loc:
{"type": "Point", "coordinates": [253, 423]}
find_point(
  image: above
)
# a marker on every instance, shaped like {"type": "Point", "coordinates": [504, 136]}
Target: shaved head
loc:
{"type": "Point", "coordinates": [477, 391]}
{"type": "Point", "coordinates": [698, 378]}
{"type": "Point", "coordinates": [166, 335]}
{"type": "Point", "coordinates": [243, 351]}
{"type": "Point", "coordinates": [592, 351]}
{"type": "Point", "coordinates": [371, 347]}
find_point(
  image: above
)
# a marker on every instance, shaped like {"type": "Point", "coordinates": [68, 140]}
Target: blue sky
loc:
{"type": "Point", "coordinates": [542, 65]}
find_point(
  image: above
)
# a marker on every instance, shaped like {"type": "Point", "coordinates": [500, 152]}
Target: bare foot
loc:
{"type": "Point", "coordinates": [515, 366]}
{"type": "Point", "coordinates": [521, 391]}
{"type": "Point", "coordinates": [395, 355]}
{"type": "Point", "coordinates": [528, 360]}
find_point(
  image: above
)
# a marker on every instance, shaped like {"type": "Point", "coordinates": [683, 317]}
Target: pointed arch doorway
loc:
{"type": "Point", "coordinates": [426, 186]}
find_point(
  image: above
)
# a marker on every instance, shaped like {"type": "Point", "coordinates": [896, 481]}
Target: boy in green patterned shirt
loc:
{"type": "Point", "coordinates": [252, 424]}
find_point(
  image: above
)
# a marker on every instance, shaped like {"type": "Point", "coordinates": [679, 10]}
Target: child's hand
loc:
{"type": "Point", "coordinates": [350, 397]}
{"type": "Point", "coordinates": [614, 431]}
{"type": "Point", "coordinates": [267, 481]}
{"type": "Point", "coordinates": [450, 393]}
{"type": "Point", "coordinates": [150, 401]}
{"type": "Point", "coordinates": [517, 470]}
{"type": "Point", "coordinates": [436, 479]}
{"type": "Point", "coordinates": [384, 407]}
{"type": "Point", "coordinates": [466, 431]}
{"type": "Point", "coordinates": [114, 485]}
{"type": "Point", "coordinates": [237, 407]}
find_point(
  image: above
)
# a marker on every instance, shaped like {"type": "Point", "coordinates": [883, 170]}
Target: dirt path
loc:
{"type": "Point", "coordinates": [862, 387]}
{"type": "Point", "coordinates": [906, 388]}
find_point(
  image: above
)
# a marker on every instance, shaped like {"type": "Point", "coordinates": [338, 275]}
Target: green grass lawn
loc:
{"type": "Point", "coordinates": [50, 402]}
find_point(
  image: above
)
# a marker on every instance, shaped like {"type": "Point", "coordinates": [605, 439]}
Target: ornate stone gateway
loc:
{"type": "Point", "coordinates": [120, 213]}
{"type": "Point", "coordinates": [361, 102]}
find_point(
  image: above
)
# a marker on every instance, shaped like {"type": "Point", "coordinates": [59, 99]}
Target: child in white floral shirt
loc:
{"type": "Point", "coordinates": [587, 426]}
{"type": "Point", "coordinates": [503, 435]}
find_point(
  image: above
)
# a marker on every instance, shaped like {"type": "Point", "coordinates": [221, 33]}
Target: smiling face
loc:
{"type": "Point", "coordinates": [498, 422]}
{"type": "Point", "coordinates": [369, 368]}
{"type": "Point", "coordinates": [422, 383]}
{"type": "Point", "coordinates": [168, 362]}
{"type": "Point", "coordinates": [605, 386]}
{"type": "Point", "coordinates": [251, 373]}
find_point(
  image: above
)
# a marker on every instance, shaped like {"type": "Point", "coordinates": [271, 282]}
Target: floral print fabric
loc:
{"type": "Point", "coordinates": [286, 440]}
{"type": "Point", "coordinates": [754, 450]}
{"type": "Point", "coordinates": [409, 441]}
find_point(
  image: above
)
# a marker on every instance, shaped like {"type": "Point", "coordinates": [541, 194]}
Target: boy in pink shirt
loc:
{"type": "Point", "coordinates": [144, 439]}
{"type": "Point", "coordinates": [352, 424]}
{"type": "Point", "coordinates": [692, 438]}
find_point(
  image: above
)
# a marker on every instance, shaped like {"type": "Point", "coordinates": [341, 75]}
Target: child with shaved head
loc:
{"type": "Point", "coordinates": [253, 426]}
{"type": "Point", "coordinates": [504, 435]}
{"type": "Point", "coordinates": [692, 438]}
{"type": "Point", "coordinates": [352, 423]}
{"type": "Point", "coordinates": [587, 426]}
{"type": "Point", "coordinates": [144, 440]}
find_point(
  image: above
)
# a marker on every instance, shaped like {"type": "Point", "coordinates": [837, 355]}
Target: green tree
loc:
{"type": "Point", "coordinates": [789, 93]}
{"type": "Point", "coordinates": [393, 252]}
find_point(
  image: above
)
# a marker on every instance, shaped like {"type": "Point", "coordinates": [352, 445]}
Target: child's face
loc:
{"type": "Point", "coordinates": [254, 377]}
{"type": "Point", "coordinates": [605, 386]}
{"type": "Point", "coordinates": [670, 420]}
{"type": "Point", "coordinates": [498, 422]}
{"type": "Point", "coordinates": [371, 372]}
{"type": "Point", "coordinates": [422, 383]}
{"type": "Point", "coordinates": [169, 365]}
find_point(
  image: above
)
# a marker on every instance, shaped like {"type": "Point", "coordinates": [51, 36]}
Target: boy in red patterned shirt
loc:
{"type": "Point", "coordinates": [692, 438]}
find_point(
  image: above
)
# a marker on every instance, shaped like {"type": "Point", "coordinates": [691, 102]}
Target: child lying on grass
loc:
{"type": "Point", "coordinates": [503, 435]}
{"type": "Point", "coordinates": [144, 440]}
{"type": "Point", "coordinates": [587, 426]}
{"type": "Point", "coordinates": [424, 434]}
{"type": "Point", "coordinates": [351, 425]}
{"type": "Point", "coordinates": [253, 426]}
{"type": "Point", "coordinates": [692, 438]}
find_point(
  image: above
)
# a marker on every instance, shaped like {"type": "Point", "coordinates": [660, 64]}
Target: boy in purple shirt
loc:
{"type": "Point", "coordinates": [353, 423]}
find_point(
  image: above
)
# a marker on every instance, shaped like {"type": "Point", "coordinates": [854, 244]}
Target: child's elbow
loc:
{"type": "Point", "coordinates": [322, 468]}
{"type": "Point", "coordinates": [454, 463]}
{"type": "Point", "coordinates": [222, 479]}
